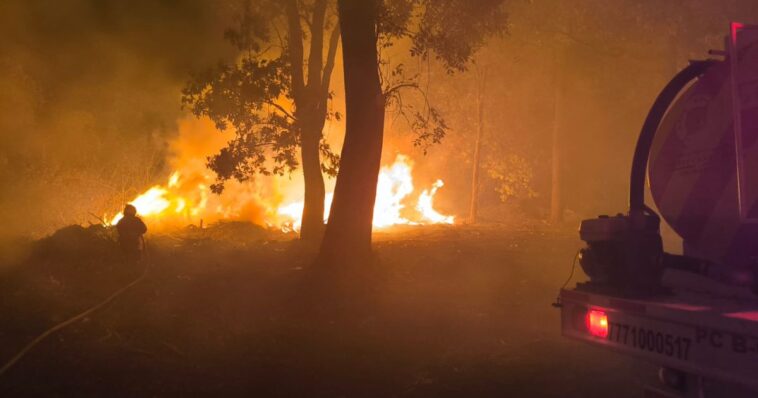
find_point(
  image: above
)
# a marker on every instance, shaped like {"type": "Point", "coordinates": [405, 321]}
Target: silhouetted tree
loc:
{"type": "Point", "coordinates": [453, 30]}
{"type": "Point", "coordinates": [476, 167]}
{"type": "Point", "coordinates": [276, 101]}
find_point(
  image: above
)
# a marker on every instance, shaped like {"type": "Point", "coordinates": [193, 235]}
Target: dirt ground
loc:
{"type": "Point", "coordinates": [450, 312]}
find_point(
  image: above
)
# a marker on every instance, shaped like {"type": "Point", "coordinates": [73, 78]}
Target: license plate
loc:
{"type": "Point", "coordinates": [650, 340]}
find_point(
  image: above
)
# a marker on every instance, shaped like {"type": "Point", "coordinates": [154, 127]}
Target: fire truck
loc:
{"type": "Point", "coordinates": [694, 314]}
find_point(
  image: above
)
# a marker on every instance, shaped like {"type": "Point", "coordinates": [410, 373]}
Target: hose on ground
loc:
{"type": "Point", "coordinates": [47, 333]}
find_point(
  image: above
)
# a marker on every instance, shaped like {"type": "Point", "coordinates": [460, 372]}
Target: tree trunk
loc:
{"type": "Point", "coordinates": [474, 208]}
{"type": "Point", "coordinates": [310, 108]}
{"type": "Point", "coordinates": [556, 204]}
{"type": "Point", "coordinates": [348, 234]}
{"type": "Point", "coordinates": [556, 198]}
{"type": "Point", "coordinates": [313, 204]}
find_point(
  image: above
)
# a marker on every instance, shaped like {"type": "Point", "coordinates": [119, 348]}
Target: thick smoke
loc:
{"type": "Point", "coordinates": [88, 97]}
{"type": "Point", "coordinates": [89, 102]}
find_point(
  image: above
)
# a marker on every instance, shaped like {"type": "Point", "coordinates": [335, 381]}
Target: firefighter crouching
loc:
{"type": "Point", "coordinates": [130, 230]}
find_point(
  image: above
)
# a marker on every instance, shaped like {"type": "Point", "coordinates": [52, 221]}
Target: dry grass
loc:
{"type": "Point", "coordinates": [450, 311]}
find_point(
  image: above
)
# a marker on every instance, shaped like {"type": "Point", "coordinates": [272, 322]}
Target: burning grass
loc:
{"type": "Point", "coordinates": [186, 199]}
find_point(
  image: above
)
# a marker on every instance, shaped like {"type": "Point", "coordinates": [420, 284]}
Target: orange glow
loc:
{"type": "Point", "coordinates": [185, 201]}
{"type": "Point", "coordinates": [426, 206]}
{"type": "Point", "coordinates": [292, 213]}
{"type": "Point", "coordinates": [273, 201]}
{"type": "Point", "coordinates": [158, 201]}
{"type": "Point", "coordinates": [393, 192]}
{"type": "Point", "coordinates": [394, 184]}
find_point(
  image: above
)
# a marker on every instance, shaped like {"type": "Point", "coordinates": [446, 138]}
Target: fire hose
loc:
{"type": "Point", "coordinates": [49, 332]}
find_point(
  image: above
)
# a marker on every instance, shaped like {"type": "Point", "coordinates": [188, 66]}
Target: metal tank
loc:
{"type": "Point", "coordinates": [703, 168]}
{"type": "Point", "coordinates": [698, 150]}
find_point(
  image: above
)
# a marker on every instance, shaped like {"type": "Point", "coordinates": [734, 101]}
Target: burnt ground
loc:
{"type": "Point", "coordinates": [451, 311]}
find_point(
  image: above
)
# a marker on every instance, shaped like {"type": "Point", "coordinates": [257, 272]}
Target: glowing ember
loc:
{"type": "Point", "coordinates": [174, 179]}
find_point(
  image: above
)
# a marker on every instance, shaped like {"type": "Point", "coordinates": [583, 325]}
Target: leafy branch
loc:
{"type": "Point", "coordinates": [426, 123]}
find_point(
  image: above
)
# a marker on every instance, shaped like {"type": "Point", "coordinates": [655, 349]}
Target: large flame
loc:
{"type": "Point", "coordinates": [395, 184]}
{"type": "Point", "coordinates": [172, 201]}
{"type": "Point", "coordinates": [425, 206]}
{"type": "Point", "coordinates": [271, 201]}
{"type": "Point", "coordinates": [185, 198]}
{"type": "Point", "coordinates": [183, 201]}
{"type": "Point", "coordinates": [394, 190]}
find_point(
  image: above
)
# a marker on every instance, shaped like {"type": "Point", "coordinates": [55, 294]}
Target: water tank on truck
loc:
{"type": "Point", "coordinates": [703, 162]}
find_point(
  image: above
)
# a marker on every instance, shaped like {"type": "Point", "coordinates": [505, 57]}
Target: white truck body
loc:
{"type": "Point", "coordinates": [711, 334]}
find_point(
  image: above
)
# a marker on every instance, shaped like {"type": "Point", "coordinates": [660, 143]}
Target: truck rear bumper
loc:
{"type": "Point", "coordinates": [704, 340]}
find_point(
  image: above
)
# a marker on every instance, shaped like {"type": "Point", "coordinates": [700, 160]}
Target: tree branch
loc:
{"type": "Point", "coordinates": [284, 111]}
{"type": "Point", "coordinates": [295, 45]}
{"type": "Point", "coordinates": [392, 90]}
{"type": "Point", "coordinates": [279, 36]}
{"type": "Point", "coordinates": [329, 66]}
{"type": "Point", "coordinates": [315, 58]}
{"type": "Point", "coordinates": [256, 145]}
{"type": "Point", "coordinates": [260, 144]}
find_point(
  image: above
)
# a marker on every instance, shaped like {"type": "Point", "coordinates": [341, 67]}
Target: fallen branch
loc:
{"type": "Point", "coordinates": [102, 221]}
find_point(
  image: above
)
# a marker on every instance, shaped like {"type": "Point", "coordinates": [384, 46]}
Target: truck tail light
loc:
{"type": "Point", "coordinates": [597, 323]}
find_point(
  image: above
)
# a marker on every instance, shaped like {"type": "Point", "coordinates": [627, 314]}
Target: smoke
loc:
{"type": "Point", "coordinates": [90, 115]}
{"type": "Point", "coordinates": [588, 70]}
{"type": "Point", "coordinates": [89, 96]}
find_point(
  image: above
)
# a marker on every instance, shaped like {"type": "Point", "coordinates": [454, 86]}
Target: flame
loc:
{"type": "Point", "coordinates": [174, 179]}
{"type": "Point", "coordinates": [425, 205]}
{"type": "Point", "coordinates": [181, 201]}
{"type": "Point", "coordinates": [273, 201]}
{"type": "Point", "coordinates": [292, 213]}
{"type": "Point", "coordinates": [156, 201]}
{"type": "Point", "coordinates": [394, 184]}
{"type": "Point", "coordinates": [185, 198]}
{"type": "Point", "coordinates": [393, 190]}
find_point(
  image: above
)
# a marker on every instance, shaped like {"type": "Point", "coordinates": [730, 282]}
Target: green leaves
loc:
{"type": "Point", "coordinates": [452, 30]}
{"type": "Point", "coordinates": [513, 175]}
{"type": "Point", "coordinates": [429, 128]}
{"type": "Point", "coordinates": [331, 160]}
{"type": "Point", "coordinates": [248, 96]}
{"type": "Point", "coordinates": [262, 97]}
{"type": "Point", "coordinates": [455, 29]}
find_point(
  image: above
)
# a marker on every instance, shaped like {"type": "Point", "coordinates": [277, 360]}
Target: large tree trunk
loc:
{"type": "Point", "coordinates": [348, 234]}
{"type": "Point", "coordinates": [313, 203]}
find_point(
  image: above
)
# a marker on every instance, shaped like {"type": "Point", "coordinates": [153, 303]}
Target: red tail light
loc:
{"type": "Point", "coordinates": [597, 323]}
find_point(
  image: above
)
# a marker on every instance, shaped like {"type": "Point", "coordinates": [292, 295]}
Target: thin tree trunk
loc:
{"type": "Point", "coordinates": [474, 207]}
{"type": "Point", "coordinates": [310, 108]}
{"type": "Point", "coordinates": [556, 204]}
{"type": "Point", "coordinates": [313, 203]}
{"type": "Point", "coordinates": [348, 234]}
{"type": "Point", "coordinates": [556, 198]}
